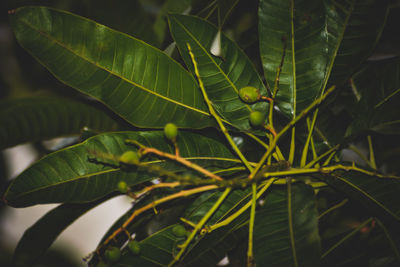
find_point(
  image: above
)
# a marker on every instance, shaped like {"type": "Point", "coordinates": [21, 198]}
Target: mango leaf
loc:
{"type": "Point", "coordinates": [354, 29]}
{"type": "Point", "coordinates": [273, 228]}
{"type": "Point", "coordinates": [378, 84]}
{"type": "Point", "coordinates": [204, 202]}
{"type": "Point", "coordinates": [132, 78]}
{"type": "Point", "coordinates": [39, 237]}
{"type": "Point", "coordinates": [38, 118]}
{"type": "Point", "coordinates": [380, 195]}
{"type": "Point", "coordinates": [222, 77]}
{"type": "Point", "coordinates": [156, 250]}
{"type": "Point", "coordinates": [298, 30]}
{"type": "Point", "coordinates": [69, 175]}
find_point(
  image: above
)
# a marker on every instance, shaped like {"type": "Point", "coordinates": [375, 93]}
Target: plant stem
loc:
{"type": "Point", "coordinates": [183, 193]}
{"type": "Point", "coordinates": [241, 210]}
{"type": "Point", "coordinates": [309, 138]}
{"type": "Point", "coordinates": [340, 204]}
{"type": "Point", "coordinates": [286, 128]}
{"type": "Point", "coordinates": [250, 257]}
{"type": "Point", "coordinates": [371, 153]}
{"type": "Point", "coordinates": [200, 224]}
{"type": "Point", "coordinates": [290, 218]}
{"type": "Point", "coordinates": [214, 113]}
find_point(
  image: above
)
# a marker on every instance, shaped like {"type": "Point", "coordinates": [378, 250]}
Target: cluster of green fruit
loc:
{"type": "Point", "coordinates": [133, 157]}
{"type": "Point", "coordinates": [251, 95]}
{"type": "Point", "coordinates": [113, 254]}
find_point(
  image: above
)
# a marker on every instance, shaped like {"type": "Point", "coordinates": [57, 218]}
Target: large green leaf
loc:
{"type": "Point", "coordinates": [378, 84]}
{"type": "Point", "coordinates": [39, 237]}
{"type": "Point", "coordinates": [354, 29]}
{"type": "Point", "coordinates": [300, 27]}
{"type": "Point", "coordinates": [222, 77]}
{"type": "Point", "coordinates": [134, 79]}
{"type": "Point", "coordinates": [380, 195]}
{"type": "Point", "coordinates": [42, 117]}
{"type": "Point", "coordinates": [69, 176]}
{"type": "Point", "coordinates": [283, 240]}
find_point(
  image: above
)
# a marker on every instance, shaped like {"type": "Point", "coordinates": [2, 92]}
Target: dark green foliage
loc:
{"type": "Point", "coordinates": [196, 195]}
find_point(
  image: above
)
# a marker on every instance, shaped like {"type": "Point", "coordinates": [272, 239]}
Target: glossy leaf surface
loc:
{"type": "Point", "coordinates": [273, 227]}
{"type": "Point", "coordinates": [69, 175]}
{"type": "Point", "coordinates": [134, 79]}
{"type": "Point", "coordinates": [222, 77]}
{"type": "Point", "coordinates": [298, 26]}
{"type": "Point", "coordinates": [38, 118]}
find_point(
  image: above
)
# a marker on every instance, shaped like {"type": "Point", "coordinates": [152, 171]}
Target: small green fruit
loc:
{"type": "Point", "coordinates": [257, 118]}
{"type": "Point", "coordinates": [179, 230]}
{"type": "Point", "coordinates": [249, 94]}
{"type": "Point", "coordinates": [134, 247]}
{"type": "Point", "coordinates": [170, 131]}
{"type": "Point", "coordinates": [123, 187]}
{"type": "Point", "coordinates": [130, 157]}
{"type": "Point", "coordinates": [112, 254]}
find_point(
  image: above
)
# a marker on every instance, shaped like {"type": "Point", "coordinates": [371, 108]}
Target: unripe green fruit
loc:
{"type": "Point", "coordinates": [257, 118]}
{"type": "Point", "coordinates": [112, 254]}
{"type": "Point", "coordinates": [179, 230]}
{"type": "Point", "coordinates": [123, 187]}
{"type": "Point", "coordinates": [170, 131]}
{"type": "Point", "coordinates": [249, 94]}
{"type": "Point", "coordinates": [134, 247]}
{"type": "Point", "coordinates": [130, 157]}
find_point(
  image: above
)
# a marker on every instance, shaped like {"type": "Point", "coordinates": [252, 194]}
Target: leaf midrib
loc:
{"type": "Point", "coordinates": [211, 59]}
{"type": "Point", "coordinates": [49, 37]}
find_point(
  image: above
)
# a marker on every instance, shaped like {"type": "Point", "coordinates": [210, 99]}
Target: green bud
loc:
{"type": "Point", "coordinates": [112, 254]}
{"type": "Point", "coordinates": [179, 230]}
{"type": "Point", "coordinates": [257, 118]}
{"type": "Point", "coordinates": [130, 157]}
{"type": "Point", "coordinates": [134, 247]}
{"type": "Point", "coordinates": [249, 94]}
{"type": "Point", "coordinates": [123, 187]}
{"type": "Point", "coordinates": [170, 131]}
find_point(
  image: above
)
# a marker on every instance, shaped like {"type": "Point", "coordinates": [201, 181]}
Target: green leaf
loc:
{"type": "Point", "coordinates": [38, 118]}
{"type": "Point", "coordinates": [69, 176]}
{"type": "Point", "coordinates": [222, 78]}
{"type": "Point", "coordinates": [306, 55]}
{"type": "Point", "coordinates": [39, 237]}
{"type": "Point", "coordinates": [378, 84]}
{"type": "Point", "coordinates": [156, 250]}
{"type": "Point", "coordinates": [354, 29]}
{"type": "Point", "coordinates": [273, 245]}
{"type": "Point", "coordinates": [204, 202]}
{"type": "Point", "coordinates": [380, 195]}
{"type": "Point", "coordinates": [132, 78]}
